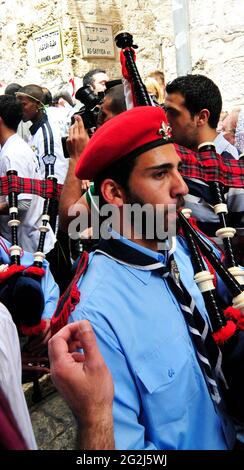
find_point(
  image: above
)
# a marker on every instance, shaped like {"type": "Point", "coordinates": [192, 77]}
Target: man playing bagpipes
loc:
{"type": "Point", "coordinates": [193, 105]}
{"type": "Point", "coordinates": [139, 373]}
{"type": "Point", "coordinates": [141, 297]}
{"type": "Point", "coordinates": [45, 140]}
{"type": "Point", "coordinates": [27, 287]}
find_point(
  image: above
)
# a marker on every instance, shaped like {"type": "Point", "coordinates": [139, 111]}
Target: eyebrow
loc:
{"type": "Point", "coordinates": [169, 107]}
{"type": "Point", "coordinates": [163, 166]}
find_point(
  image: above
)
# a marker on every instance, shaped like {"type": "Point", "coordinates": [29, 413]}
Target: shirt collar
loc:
{"type": "Point", "coordinates": [222, 145]}
{"type": "Point", "coordinates": [34, 128]}
{"type": "Point", "coordinates": [140, 261]}
{"type": "Point", "coordinates": [146, 251]}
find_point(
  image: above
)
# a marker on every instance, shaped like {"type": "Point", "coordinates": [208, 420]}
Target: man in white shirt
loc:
{"type": "Point", "coordinates": [15, 154]}
{"type": "Point", "coordinates": [46, 143]}
{"type": "Point", "coordinates": [23, 127]}
{"type": "Point", "coordinates": [45, 138]}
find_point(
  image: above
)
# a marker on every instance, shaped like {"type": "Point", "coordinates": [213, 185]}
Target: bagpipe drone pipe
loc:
{"type": "Point", "coordinates": [20, 286]}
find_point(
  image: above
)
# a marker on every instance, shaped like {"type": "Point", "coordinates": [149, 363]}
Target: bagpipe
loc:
{"type": "Point", "coordinates": [227, 322]}
{"type": "Point", "coordinates": [20, 286]}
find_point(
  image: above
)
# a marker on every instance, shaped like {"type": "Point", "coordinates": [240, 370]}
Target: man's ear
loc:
{"type": "Point", "coordinates": [203, 117]}
{"type": "Point", "coordinates": [112, 192]}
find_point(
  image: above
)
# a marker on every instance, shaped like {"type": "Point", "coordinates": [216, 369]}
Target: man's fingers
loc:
{"type": "Point", "coordinates": [79, 121]}
{"type": "Point", "coordinates": [62, 341]}
{"type": "Point", "coordinates": [78, 124]}
{"type": "Point", "coordinates": [57, 347]}
{"type": "Point", "coordinates": [59, 343]}
{"type": "Point", "coordinates": [78, 118]}
{"type": "Point", "coordinates": [85, 184]}
{"type": "Point", "coordinates": [78, 357]}
{"type": "Point", "coordinates": [71, 132]}
{"type": "Point", "coordinates": [89, 344]}
{"type": "Point", "coordinates": [68, 331]}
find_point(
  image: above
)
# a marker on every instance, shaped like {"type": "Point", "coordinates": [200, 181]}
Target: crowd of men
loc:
{"type": "Point", "coordinates": [137, 312]}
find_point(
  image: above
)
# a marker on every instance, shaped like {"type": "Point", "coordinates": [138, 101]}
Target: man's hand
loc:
{"type": "Point", "coordinates": [85, 382]}
{"type": "Point", "coordinates": [78, 139]}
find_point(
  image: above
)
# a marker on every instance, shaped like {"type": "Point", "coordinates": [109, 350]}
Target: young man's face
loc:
{"type": "Point", "coordinates": [29, 108]}
{"type": "Point", "coordinates": [184, 126]}
{"type": "Point", "coordinates": [156, 180]}
{"type": "Point", "coordinates": [99, 82]}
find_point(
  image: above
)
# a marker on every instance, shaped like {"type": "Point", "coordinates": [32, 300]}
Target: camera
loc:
{"type": "Point", "coordinates": [90, 109]}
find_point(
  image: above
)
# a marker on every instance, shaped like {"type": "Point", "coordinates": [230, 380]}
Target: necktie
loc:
{"type": "Point", "coordinates": [208, 354]}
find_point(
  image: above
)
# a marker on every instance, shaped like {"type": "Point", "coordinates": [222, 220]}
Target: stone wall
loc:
{"type": "Point", "coordinates": [216, 37]}
{"type": "Point", "coordinates": [19, 19]}
{"type": "Point", "coordinates": [217, 43]}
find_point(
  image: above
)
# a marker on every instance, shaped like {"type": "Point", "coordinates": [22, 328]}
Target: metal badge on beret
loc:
{"type": "Point", "coordinates": [165, 131]}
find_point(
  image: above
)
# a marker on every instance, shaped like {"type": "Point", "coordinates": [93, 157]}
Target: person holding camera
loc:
{"type": "Point", "coordinates": [96, 79]}
{"type": "Point", "coordinates": [91, 96]}
{"type": "Point", "coordinates": [112, 105]}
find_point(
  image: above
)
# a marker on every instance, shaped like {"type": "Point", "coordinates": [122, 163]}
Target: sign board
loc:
{"type": "Point", "coordinates": [97, 40]}
{"type": "Point", "coordinates": [48, 46]}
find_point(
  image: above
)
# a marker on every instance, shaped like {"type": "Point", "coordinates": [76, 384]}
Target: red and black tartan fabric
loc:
{"type": "Point", "coordinates": [210, 166]}
{"type": "Point", "coordinates": [205, 166]}
{"type": "Point", "coordinates": [43, 188]}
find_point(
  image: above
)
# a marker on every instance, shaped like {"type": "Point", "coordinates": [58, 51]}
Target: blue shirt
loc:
{"type": "Point", "coordinates": [161, 398]}
{"type": "Point", "coordinates": [49, 287]}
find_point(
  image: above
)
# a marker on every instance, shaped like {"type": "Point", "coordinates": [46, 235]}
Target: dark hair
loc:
{"type": "Point", "coordinates": [47, 95]}
{"type": "Point", "coordinates": [117, 105]}
{"type": "Point", "coordinates": [119, 171]}
{"type": "Point", "coordinates": [199, 92]}
{"type": "Point", "coordinates": [10, 111]}
{"type": "Point", "coordinates": [88, 77]}
{"type": "Point", "coordinates": [12, 88]}
{"type": "Point", "coordinates": [65, 95]}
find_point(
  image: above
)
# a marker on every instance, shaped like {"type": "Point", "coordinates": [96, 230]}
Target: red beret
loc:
{"type": "Point", "coordinates": [130, 133]}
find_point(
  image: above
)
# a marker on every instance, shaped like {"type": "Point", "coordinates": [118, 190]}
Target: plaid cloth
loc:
{"type": "Point", "coordinates": [43, 188]}
{"type": "Point", "coordinates": [209, 166]}
{"type": "Point", "coordinates": [205, 166]}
